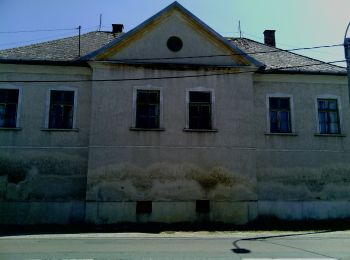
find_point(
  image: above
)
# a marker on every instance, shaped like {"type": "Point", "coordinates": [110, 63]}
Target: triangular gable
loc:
{"type": "Point", "coordinates": [148, 42]}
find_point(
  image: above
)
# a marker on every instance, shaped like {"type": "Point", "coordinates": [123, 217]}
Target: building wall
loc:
{"type": "Point", "coordinates": [303, 175]}
{"type": "Point", "coordinates": [173, 165]}
{"type": "Point", "coordinates": [99, 172]}
{"type": "Point", "coordinates": [43, 173]}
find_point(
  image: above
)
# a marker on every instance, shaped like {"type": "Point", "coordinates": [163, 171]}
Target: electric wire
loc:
{"type": "Point", "coordinates": [227, 55]}
{"type": "Point", "coordinates": [167, 77]}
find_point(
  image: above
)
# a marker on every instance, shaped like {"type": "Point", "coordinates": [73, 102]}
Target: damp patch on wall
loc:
{"type": "Point", "coordinates": [42, 177]}
{"type": "Point", "coordinates": [328, 183]}
{"type": "Point", "coordinates": [166, 181]}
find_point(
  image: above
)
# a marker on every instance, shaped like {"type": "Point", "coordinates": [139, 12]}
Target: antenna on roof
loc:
{"type": "Point", "coordinates": [239, 29]}
{"type": "Point", "coordinates": [79, 28]}
{"type": "Point", "coordinates": [100, 25]}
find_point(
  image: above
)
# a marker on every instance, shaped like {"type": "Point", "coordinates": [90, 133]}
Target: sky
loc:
{"type": "Point", "coordinates": [298, 23]}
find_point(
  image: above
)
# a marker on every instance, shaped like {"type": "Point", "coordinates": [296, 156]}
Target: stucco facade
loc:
{"type": "Point", "coordinates": [103, 166]}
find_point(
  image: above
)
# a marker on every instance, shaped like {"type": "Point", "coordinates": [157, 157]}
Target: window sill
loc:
{"type": "Point", "coordinates": [60, 129]}
{"type": "Point", "coordinates": [200, 130]}
{"type": "Point", "coordinates": [330, 135]}
{"type": "Point", "coordinates": [282, 134]}
{"type": "Point", "coordinates": [146, 129]}
{"type": "Point", "coordinates": [10, 128]}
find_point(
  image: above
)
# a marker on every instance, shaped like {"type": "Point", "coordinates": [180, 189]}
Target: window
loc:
{"type": "Point", "coordinates": [280, 115]}
{"type": "Point", "coordinates": [143, 207]}
{"type": "Point", "coordinates": [9, 108]}
{"type": "Point", "coordinates": [202, 206]}
{"type": "Point", "coordinates": [148, 109]}
{"type": "Point", "coordinates": [61, 111]}
{"type": "Point", "coordinates": [328, 116]}
{"type": "Point", "coordinates": [199, 110]}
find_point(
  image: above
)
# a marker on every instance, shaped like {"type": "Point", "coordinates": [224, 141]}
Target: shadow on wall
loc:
{"type": "Point", "coordinates": [165, 181]}
{"type": "Point", "coordinates": [329, 183]}
{"type": "Point", "coordinates": [40, 178]}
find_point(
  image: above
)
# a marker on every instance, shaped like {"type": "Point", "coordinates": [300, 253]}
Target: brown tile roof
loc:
{"type": "Point", "coordinates": [66, 49]}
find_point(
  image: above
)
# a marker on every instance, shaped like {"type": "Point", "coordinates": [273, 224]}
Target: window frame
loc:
{"type": "Point", "coordinates": [339, 107]}
{"type": "Point", "coordinates": [212, 108]}
{"type": "Point", "coordinates": [19, 106]}
{"type": "Point", "coordinates": [291, 107]}
{"type": "Point", "coordinates": [134, 108]}
{"type": "Point", "coordinates": [48, 105]}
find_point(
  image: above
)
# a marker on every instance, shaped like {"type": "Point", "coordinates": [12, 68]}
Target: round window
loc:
{"type": "Point", "coordinates": [174, 43]}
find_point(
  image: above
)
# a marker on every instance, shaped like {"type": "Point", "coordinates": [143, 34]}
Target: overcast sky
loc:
{"type": "Point", "coordinates": [298, 23]}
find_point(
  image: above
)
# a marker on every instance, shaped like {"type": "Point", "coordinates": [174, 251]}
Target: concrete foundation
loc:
{"type": "Point", "coordinates": [30, 213]}
{"type": "Point", "coordinates": [170, 212]}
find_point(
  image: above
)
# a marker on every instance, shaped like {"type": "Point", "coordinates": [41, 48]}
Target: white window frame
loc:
{"type": "Point", "coordinates": [19, 104]}
{"type": "Point", "coordinates": [134, 104]}
{"type": "Point", "coordinates": [291, 104]}
{"type": "Point", "coordinates": [329, 96]}
{"type": "Point", "coordinates": [212, 100]}
{"type": "Point", "coordinates": [48, 103]}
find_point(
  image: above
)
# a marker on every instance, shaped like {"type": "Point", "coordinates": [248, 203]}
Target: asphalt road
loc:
{"type": "Point", "coordinates": [179, 245]}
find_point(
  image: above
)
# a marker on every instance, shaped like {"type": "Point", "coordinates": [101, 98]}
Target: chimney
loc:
{"type": "Point", "coordinates": [117, 28]}
{"type": "Point", "coordinates": [269, 38]}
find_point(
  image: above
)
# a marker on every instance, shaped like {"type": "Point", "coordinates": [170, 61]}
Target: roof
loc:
{"type": "Point", "coordinates": [279, 60]}
{"type": "Point", "coordinates": [275, 60]}
{"type": "Point", "coordinates": [161, 16]}
{"type": "Point", "coordinates": [66, 49]}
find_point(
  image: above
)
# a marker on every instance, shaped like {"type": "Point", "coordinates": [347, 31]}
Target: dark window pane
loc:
{"type": "Point", "coordinates": [8, 107]}
{"type": "Point", "coordinates": [147, 108]}
{"type": "Point", "coordinates": [328, 116]}
{"type": "Point", "coordinates": [200, 110]}
{"type": "Point", "coordinates": [280, 121]}
{"type": "Point", "coordinates": [2, 115]}
{"type": "Point", "coordinates": [196, 96]}
{"type": "Point", "coordinates": [279, 103]}
{"type": "Point", "coordinates": [61, 109]}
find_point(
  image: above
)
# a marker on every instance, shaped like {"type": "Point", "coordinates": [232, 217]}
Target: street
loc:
{"type": "Point", "coordinates": [179, 245]}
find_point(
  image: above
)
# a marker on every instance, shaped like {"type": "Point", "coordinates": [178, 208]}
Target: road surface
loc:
{"type": "Point", "coordinates": [179, 245]}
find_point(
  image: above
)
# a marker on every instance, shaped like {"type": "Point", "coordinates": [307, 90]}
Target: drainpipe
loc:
{"type": "Point", "coordinates": [347, 56]}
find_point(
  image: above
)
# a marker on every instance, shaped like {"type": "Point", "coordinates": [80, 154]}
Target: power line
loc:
{"type": "Point", "coordinates": [227, 55]}
{"type": "Point", "coordinates": [167, 77]}
{"type": "Point", "coordinates": [44, 30]}
{"type": "Point", "coordinates": [49, 37]}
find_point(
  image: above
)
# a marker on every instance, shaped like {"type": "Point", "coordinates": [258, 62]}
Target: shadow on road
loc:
{"type": "Point", "coordinates": [240, 250]}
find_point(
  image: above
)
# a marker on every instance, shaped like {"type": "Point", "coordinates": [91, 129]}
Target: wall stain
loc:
{"type": "Point", "coordinates": [40, 178]}
{"type": "Point", "coordinates": [164, 181]}
{"type": "Point", "coordinates": [329, 183]}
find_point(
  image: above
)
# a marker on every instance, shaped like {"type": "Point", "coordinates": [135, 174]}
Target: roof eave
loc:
{"type": "Point", "coordinates": [271, 71]}
{"type": "Point", "coordinates": [78, 63]}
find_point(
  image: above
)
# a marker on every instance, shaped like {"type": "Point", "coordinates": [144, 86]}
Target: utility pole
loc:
{"type": "Point", "coordinates": [347, 56]}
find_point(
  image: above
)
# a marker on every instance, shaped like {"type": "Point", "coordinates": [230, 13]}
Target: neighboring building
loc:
{"type": "Point", "coordinates": [170, 122]}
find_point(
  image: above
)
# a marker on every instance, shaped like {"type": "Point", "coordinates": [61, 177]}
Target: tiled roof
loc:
{"type": "Point", "coordinates": [280, 60]}
{"type": "Point", "coordinates": [66, 49]}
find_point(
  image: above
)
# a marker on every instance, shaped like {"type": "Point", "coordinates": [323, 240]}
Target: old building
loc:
{"type": "Point", "coordinates": [170, 122]}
